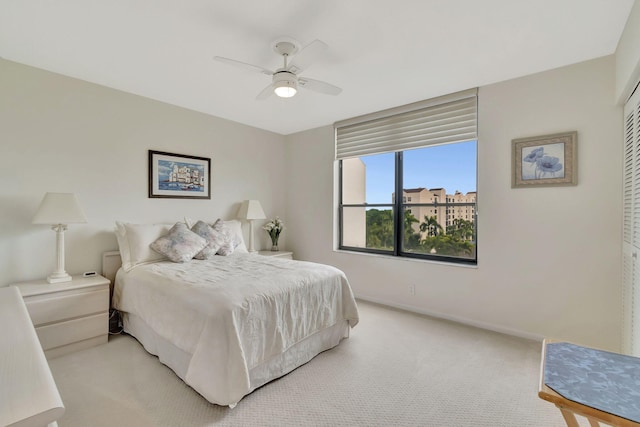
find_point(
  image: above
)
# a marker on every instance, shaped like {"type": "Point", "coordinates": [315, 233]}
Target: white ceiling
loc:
{"type": "Point", "coordinates": [382, 53]}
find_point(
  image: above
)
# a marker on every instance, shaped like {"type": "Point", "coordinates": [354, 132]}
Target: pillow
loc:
{"type": "Point", "coordinates": [180, 245]}
{"type": "Point", "coordinates": [189, 222]}
{"type": "Point", "coordinates": [235, 227]}
{"type": "Point", "coordinates": [214, 239]}
{"type": "Point", "coordinates": [226, 241]}
{"type": "Point", "coordinates": [134, 241]}
{"type": "Point", "coordinates": [123, 244]}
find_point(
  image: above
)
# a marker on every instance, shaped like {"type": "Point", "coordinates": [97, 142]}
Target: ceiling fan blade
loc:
{"type": "Point", "coordinates": [266, 93]}
{"type": "Point", "coordinates": [306, 56]}
{"type": "Point", "coordinates": [319, 86]}
{"type": "Point", "coordinates": [244, 65]}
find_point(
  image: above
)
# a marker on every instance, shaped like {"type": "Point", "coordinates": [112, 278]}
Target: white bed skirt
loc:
{"type": "Point", "coordinates": [296, 355]}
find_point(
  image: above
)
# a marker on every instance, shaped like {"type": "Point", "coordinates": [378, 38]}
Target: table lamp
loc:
{"type": "Point", "coordinates": [251, 210]}
{"type": "Point", "coordinates": [59, 209]}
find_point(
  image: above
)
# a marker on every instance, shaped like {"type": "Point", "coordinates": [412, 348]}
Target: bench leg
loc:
{"type": "Point", "coordinates": [593, 422]}
{"type": "Point", "coordinates": [569, 418]}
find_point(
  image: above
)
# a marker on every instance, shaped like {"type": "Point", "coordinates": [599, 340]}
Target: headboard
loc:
{"type": "Point", "coordinates": [111, 262]}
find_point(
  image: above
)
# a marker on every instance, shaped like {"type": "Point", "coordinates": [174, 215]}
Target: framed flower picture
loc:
{"type": "Point", "coordinates": [542, 161]}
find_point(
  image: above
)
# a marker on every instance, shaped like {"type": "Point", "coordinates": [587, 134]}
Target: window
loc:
{"type": "Point", "coordinates": [435, 174]}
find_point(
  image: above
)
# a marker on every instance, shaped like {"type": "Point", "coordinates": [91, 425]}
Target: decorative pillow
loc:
{"type": "Point", "coordinates": [235, 227]}
{"type": "Point", "coordinates": [235, 230]}
{"type": "Point", "coordinates": [180, 245]}
{"type": "Point", "coordinates": [134, 241]}
{"type": "Point", "coordinates": [226, 242]}
{"type": "Point", "coordinates": [189, 222]}
{"type": "Point", "coordinates": [214, 239]}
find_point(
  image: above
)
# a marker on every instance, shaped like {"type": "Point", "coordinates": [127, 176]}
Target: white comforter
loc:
{"type": "Point", "coordinates": [235, 313]}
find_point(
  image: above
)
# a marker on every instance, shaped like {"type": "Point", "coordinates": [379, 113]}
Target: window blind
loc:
{"type": "Point", "coordinates": [449, 118]}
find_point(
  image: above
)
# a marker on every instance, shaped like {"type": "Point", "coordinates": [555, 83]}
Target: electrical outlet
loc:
{"type": "Point", "coordinates": [412, 289]}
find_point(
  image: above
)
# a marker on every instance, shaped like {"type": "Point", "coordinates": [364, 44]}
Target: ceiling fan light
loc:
{"type": "Point", "coordinates": [285, 91]}
{"type": "Point", "coordinates": [285, 84]}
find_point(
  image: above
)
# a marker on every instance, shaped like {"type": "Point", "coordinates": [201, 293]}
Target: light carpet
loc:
{"type": "Point", "coordinates": [396, 369]}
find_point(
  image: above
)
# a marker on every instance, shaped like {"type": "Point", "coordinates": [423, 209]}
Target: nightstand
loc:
{"type": "Point", "coordinates": [278, 254]}
{"type": "Point", "coordinates": [68, 316]}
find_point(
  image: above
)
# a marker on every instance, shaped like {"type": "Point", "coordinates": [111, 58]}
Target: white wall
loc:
{"type": "Point", "coordinates": [628, 55]}
{"type": "Point", "coordinates": [63, 135]}
{"type": "Point", "coordinates": [549, 259]}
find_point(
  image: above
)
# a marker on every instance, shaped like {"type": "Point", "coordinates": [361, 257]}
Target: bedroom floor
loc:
{"type": "Point", "coordinates": [396, 369]}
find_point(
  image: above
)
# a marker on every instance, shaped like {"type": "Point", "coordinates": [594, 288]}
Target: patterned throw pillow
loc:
{"type": "Point", "coordinates": [180, 245]}
{"type": "Point", "coordinates": [226, 244]}
{"type": "Point", "coordinates": [214, 238]}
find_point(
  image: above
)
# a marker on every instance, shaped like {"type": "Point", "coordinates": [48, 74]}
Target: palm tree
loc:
{"type": "Point", "coordinates": [431, 226]}
{"type": "Point", "coordinates": [462, 229]}
{"type": "Point", "coordinates": [411, 238]}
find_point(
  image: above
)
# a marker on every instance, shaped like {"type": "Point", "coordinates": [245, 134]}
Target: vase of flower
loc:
{"type": "Point", "coordinates": [274, 227]}
{"type": "Point", "coordinates": [274, 241]}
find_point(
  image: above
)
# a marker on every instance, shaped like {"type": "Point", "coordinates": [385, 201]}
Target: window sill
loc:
{"type": "Point", "coordinates": [407, 259]}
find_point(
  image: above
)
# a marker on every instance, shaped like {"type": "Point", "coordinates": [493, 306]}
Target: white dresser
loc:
{"type": "Point", "coordinates": [28, 393]}
{"type": "Point", "coordinates": [68, 316]}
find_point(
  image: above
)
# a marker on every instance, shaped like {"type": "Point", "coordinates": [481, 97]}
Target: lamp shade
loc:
{"type": "Point", "coordinates": [59, 208]}
{"type": "Point", "coordinates": [251, 209]}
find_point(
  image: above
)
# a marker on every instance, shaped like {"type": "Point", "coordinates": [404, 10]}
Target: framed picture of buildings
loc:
{"type": "Point", "coordinates": [174, 175]}
{"type": "Point", "coordinates": [542, 161]}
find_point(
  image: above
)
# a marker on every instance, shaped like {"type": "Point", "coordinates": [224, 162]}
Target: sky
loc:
{"type": "Point", "coordinates": [451, 166]}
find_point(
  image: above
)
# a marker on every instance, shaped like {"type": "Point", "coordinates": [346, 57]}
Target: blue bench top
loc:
{"type": "Point", "coordinates": [606, 381]}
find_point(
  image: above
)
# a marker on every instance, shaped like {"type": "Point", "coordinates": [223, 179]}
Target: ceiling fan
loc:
{"type": "Point", "coordinates": [286, 80]}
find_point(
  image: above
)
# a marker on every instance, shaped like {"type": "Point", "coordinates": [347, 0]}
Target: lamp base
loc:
{"type": "Point", "coordinates": [59, 278]}
{"type": "Point", "coordinates": [252, 249]}
{"type": "Point", "coordinates": [59, 275]}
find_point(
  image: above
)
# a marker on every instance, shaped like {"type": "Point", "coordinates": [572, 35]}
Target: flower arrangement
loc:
{"type": "Point", "coordinates": [274, 227]}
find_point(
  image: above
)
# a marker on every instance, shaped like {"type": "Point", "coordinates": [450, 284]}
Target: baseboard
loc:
{"type": "Point", "coordinates": [462, 320]}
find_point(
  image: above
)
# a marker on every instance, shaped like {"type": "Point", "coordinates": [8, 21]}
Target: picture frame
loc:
{"type": "Point", "coordinates": [179, 176]}
{"type": "Point", "coordinates": [545, 161]}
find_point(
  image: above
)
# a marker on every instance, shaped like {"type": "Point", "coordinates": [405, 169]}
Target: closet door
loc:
{"type": "Point", "coordinates": [631, 228]}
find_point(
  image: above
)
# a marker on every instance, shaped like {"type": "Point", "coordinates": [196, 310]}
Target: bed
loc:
{"type": "Point", "coordinates": [230, 324]}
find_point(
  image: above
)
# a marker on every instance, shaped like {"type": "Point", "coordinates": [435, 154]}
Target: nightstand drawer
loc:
{"type": "Point", "coordinates": [277, 254]}
{"type": "Point", "coordinates": [45, 309]}
{"type": "Point", "coordinates": [59, 334]}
